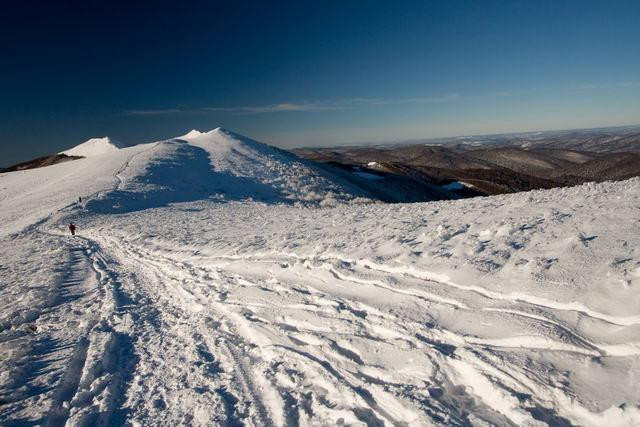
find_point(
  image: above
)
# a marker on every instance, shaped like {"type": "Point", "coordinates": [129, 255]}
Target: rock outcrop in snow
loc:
{"type": "Point", "coordinates": [94, 147]}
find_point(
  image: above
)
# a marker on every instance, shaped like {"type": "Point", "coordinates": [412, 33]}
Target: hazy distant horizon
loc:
{"type": "Point", "coordinates": [471, 135]}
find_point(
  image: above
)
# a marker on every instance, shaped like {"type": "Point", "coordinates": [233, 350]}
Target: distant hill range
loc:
{"type": "Point", "coordinates": [40, 162]}
{"type": "Point", "coordinates": [497, 164]}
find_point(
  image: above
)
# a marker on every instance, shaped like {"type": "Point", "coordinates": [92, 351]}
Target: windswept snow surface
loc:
{"type": "Point", "coordinates": [210, 284]}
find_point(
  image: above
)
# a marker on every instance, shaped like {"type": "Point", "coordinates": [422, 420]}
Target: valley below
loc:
{"type": "Point", "coordinates": [496, 164]}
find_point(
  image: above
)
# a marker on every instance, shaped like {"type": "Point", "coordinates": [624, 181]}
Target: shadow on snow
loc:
{"type": "Point", "coordinates": [185, 175]}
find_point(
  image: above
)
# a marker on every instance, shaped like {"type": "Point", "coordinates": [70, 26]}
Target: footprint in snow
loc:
{"type": "Point", "coordinates": [584, 239]}
{"type": "Point", "coordinates": [547, 263]}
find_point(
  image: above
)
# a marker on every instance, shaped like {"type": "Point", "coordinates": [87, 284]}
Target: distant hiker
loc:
{"type": "Point", "coordinates": [72, 229]}
{"type": "Point", "coordinates": [79, 199]}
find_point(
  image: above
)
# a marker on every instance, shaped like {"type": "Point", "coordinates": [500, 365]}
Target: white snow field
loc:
{"type": "Point", "coordinates": [218, 281]}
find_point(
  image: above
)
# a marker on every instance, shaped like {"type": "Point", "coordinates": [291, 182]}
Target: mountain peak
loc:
{"type": "Point", "coordinates": [193, 133]}
{"type": "Point", "coordinates": [94, 147]}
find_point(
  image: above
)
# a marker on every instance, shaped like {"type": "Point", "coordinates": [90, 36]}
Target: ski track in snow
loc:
{"type": "Point", "coordinates": [241, 313]}
{"type": "Point", "coordinates": [189, 288]}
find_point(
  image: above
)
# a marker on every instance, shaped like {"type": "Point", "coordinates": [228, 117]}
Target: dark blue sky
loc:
{"type": "Point", "coordinates": [312, 73]}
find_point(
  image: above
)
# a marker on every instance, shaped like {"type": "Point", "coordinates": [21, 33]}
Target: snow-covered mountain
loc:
{"type": "Point", "coordinates": [216, 280]}
{"type": "Point", "coordinates": [94, 147]}
{"type": "Point", "coordinates": [218, 165]}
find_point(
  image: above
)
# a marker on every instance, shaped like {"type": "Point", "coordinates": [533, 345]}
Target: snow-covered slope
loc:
{"type": "Point", "coordinates": [31, 195]}
{"type": "Point", "coordinates": [219, 165]}
{"type": "Point", "coordinates": [289, 177]}
{"type": "Point", "coordinates": [94, 147]}
{"type": "Point", "coordinates": [206, 287]}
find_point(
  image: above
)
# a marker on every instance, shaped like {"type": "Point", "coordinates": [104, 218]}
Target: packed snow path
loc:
{"type": "Point", "coordinates": [511, 310]}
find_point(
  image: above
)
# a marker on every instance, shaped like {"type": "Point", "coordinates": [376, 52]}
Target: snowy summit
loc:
{"type": "Point", "coordinates": [94, 147]}
{"type": "Point", "coordinates": [215, 280]}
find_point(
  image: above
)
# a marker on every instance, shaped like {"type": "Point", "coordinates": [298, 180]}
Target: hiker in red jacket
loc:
{"type": "Point", "coordinates": [72, 229]}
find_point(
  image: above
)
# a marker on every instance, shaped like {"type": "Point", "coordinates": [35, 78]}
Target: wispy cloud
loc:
{"type": "Point", "coordinates": [301, 106]}
{"type": "Point", "coordinates": [605, 85]}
